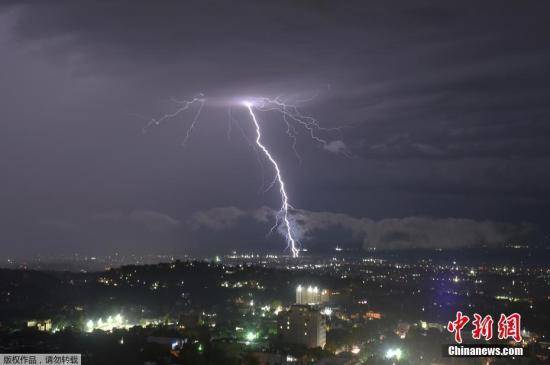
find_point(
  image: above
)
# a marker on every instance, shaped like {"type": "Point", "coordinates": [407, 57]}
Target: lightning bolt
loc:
{"type": "Point", "coordinates": [184, 105]}
{"type": "Point", "coordinates": [291, 116]}
{"type": "Point", "coordinates": [283, 212]}
{"type": "Point", "coordinates": [291, 113]}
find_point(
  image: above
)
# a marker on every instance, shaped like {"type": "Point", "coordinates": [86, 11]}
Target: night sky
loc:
{"type": "Point", "coordinates": [444, 109]}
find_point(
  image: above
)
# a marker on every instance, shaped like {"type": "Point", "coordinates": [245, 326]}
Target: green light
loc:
{"type": "Point", "coordinates": [251, 336]}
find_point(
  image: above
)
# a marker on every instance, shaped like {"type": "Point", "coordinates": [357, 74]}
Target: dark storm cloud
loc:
{"type": "Point", "coordinates": [133, 232]}
{"type": "Point", "coordinates": [395, 233]}
{"type": "Point", "coordinates": [444, 108]}
{"type": "Point", "coordinates": [217, 218]}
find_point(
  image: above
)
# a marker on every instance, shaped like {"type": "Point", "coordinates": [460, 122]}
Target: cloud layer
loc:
{"type": "Point", "coordinates": [391, 234]}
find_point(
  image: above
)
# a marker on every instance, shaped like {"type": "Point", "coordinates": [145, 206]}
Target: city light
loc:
{"type": "Point", "coordinates": [112, 322]}
{"type": "Point", "coordinates": [311, 295]}
{"type": "Point", "coordinates": [251, 336]}
{"type": "Point", "coordinates": [394, 354]}
{"type": "Point", "coordinates": [312, 289]}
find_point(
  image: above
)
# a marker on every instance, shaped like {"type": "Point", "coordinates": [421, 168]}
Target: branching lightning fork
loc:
{"type": "Point", "coordinates": [292, 117]}
{"type": "Point", "coordinates": [184, 105]}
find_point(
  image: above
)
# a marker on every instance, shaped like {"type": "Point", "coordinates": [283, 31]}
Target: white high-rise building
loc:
{"type": "Point", "coordinates": [311, 295]}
